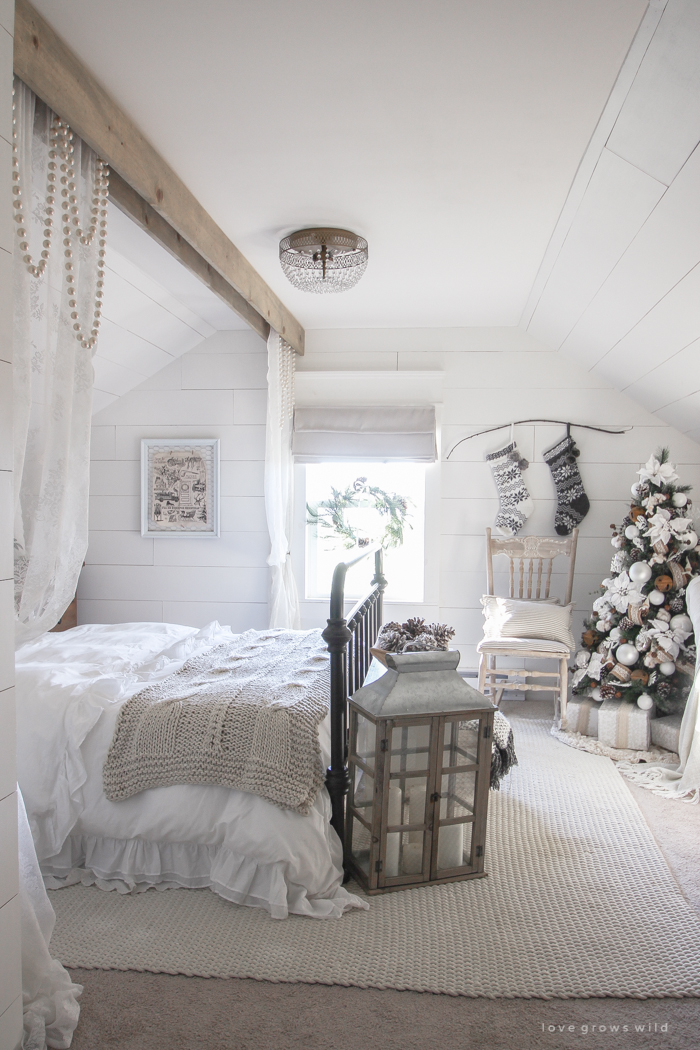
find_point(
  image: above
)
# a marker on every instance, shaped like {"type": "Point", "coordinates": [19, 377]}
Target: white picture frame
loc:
{"type": "Point", "coordinates": [180, 488]}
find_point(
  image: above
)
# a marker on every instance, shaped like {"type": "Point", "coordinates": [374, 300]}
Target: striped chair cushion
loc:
{"type": "Point", "coordinates": [510, 618]}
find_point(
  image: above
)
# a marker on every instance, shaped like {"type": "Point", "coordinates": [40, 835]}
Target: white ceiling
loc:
{"type": "Point", "coordinates": [619, 290]}
{"type": "Point", "coordinates": [446, 133]}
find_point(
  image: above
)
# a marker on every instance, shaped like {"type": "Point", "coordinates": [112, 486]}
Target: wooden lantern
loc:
{"type": "Point", "coordinates": [420, 765]}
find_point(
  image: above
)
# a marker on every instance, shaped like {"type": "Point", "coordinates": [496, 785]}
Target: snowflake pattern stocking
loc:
{"type": "Point", "coordinates": [515, 502]}
{"type": "Point", "coordinates": [572, 502]}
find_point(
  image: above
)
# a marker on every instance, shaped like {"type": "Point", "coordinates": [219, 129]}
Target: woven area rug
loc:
{"type": "Point", "coordinates": [579, 902]}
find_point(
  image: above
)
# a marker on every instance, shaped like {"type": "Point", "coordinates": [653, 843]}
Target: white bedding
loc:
{"type": "Point", "coordinates": [70, 687]}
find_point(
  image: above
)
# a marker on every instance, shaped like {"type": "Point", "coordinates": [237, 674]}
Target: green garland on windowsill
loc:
{"type": "Point", "coordinates": [329, 514]}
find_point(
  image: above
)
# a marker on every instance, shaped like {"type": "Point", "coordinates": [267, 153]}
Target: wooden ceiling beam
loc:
{"type": "Point", "coordinates": [45, 63]}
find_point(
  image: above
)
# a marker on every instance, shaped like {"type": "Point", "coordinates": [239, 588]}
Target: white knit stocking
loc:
{"type": "Point", "coordinates": [515, 502]}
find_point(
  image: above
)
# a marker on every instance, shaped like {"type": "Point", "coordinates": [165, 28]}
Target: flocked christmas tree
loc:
{"type": "Point", "coordinates": [639, 644]}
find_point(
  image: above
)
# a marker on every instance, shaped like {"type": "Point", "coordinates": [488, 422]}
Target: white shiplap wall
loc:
{"type": "Point", "coordinates": [10, 976]}
{"type": "Point", "coordinates": [218, 390]}
{"type": "Point", "coordinates": [491, 375]}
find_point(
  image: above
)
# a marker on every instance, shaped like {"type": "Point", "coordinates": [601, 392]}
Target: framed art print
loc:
{"type": "Point", "coordinates": [180, 488]}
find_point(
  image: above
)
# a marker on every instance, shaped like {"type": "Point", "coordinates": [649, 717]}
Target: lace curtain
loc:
{"type": "Point", "coordinates": [49, 997]}
{"type": "Point", "coordinates": [279, 482]}
{"type": "Point", "coordinates": [59, 200]}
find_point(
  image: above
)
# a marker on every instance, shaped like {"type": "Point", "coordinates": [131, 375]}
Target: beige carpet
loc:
{"type": "Point", "coordinates": [579, 903]}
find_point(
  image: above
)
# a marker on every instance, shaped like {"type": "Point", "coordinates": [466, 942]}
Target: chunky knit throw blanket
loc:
{"type": "Point", "coordinates": [243, 715]}
{"type": "Point", "coordinates": [503, 756]}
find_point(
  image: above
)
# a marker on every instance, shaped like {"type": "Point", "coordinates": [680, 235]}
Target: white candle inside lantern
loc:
{"type": "Point", "coordinates": [450, 846]}
{"type": "Point", "coordinates": [392, 840]}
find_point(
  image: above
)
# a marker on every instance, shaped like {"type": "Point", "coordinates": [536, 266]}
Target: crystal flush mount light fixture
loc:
{"type": "Point", "coordinates": [323, 260]}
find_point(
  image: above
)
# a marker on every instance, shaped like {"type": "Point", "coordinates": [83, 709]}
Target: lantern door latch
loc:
{"type": "Point", "coordinates": [479, 851]}
{"type": "Point", "coordinates": [435, 796]}
{"type": "Point", "coordinates": [378, 866]}
{"type": "Point", "coordinates": [384, 745]}
{"type": "Point", "coordinates": [487, 732]}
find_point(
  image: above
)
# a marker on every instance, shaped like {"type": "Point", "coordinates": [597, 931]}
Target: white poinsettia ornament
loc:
{"type": "Point", "coordinates": [657, 472]}
{"type": "Point", "coordinates": [621, 592]}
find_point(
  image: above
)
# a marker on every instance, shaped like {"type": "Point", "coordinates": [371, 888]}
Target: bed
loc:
{"type": "Point", "coordinates": [71, 687]}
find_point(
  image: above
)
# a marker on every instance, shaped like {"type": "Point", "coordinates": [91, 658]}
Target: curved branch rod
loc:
{"type": "Point", "coordinates": [518, 422]}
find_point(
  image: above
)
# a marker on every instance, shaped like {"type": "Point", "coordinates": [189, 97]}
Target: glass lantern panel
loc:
{"type": "Point", "coordinates": [457, 793]}
{"type": "Point", "coordinates": [410, 748]}
{"type": "Point", "coordinates": [454, 846]}
{"type": "Point", "coordinates": [404, 853]}
{"type": "Point", "coordinates": [460, 743]}
{"type": "Point", "coordinates": [366, 740]}
{"type": "Point", "coordinates": [364, 792]}
{"type": "Point", "coordinates": [361, 841]}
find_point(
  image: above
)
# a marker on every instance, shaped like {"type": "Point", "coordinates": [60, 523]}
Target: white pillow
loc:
{"type": "Point", "coordinates": [511, 618]}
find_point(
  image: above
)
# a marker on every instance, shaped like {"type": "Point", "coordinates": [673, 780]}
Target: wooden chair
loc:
{"type": "Point", "coordinates": [530, 573]}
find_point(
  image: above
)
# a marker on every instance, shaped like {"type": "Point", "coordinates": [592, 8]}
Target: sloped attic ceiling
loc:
{"type": "Point", "coordinates": [619, 289]}
{"type": "Point", "coordinates": [154, 310]}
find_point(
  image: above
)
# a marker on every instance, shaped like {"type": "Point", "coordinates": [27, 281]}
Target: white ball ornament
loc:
{"type": "Point", "coordinates": [636, 489]}
{"type": "Point", "coordinates": [690, 540]}
{"type": "Point", "coordinates": [681, 622]}
{"type": "Point", "coordinates": [667, 667]}
{"type": "Point", "coordinates": [657, 598]}
{"type": "Point", "coordinates": [679, 499]}
{"type": "Point", "coordinates": [645, 702]}
{"type": "Point", "coordinates": [631, 532]}
{"type": "Point", "coordinates": [640, 572]}
{"type": "Point", "coordinates": [627, 655]}
{"type": "Point", "coordinates": [615, 634]}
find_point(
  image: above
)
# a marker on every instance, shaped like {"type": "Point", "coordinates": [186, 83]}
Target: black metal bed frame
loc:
{"type": "Point", "coordinates": [349, 640]}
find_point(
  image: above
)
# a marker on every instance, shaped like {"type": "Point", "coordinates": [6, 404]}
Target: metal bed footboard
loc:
{"type": "Point", "coordinates": [349, 640]}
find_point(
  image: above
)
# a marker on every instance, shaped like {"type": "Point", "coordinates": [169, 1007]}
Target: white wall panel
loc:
{"type": "Point", "coordinates": [667, 328]}
{"type": "Point", "coordinates": [117, 344]}
{"type": "Point", "coordinates": [662, 386]}
{"type": "Point", "coordinates": [113, 378]}
{"type": "Point", "coordinates": [8, 756]}
{"type": "Point", "coordinates": [659, 125]}
{"type": "Point", "coordinates": [236, 372]}
{"type": "Point", "coordinates": [9, 868]}
{"type": "Point", "coordinates": [11, 1025]}
{"type": "Point", "coordinates": [249, 407]}
{"type": "Point", "coordinates": [666, 248]}
{"type": "Point", "coordinates": [5, 304]}
{"type": "Point", "coordinates": [618, 200]}
{"type": "Point", "coordinates": [101, 399]}
{"type": "Point", "coordinates": [170, 408]}
{"type": "Point", "coordinates": [10, 978]}
{"type": "Point", "coordinates": [6, 453]}
{"type": "Point", "coordinates": [683, 414]}
{"type": "Point", "coordinates": [221, 392]}
{"type": "Point", "coordinates": [7, 226]}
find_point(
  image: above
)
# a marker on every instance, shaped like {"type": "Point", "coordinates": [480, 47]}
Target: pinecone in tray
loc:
{"type": "Point", "coordinates": [415, 635]}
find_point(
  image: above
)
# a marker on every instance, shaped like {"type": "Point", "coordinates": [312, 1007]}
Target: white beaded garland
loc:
{"type": "Point", "coordinates": [61, 147]}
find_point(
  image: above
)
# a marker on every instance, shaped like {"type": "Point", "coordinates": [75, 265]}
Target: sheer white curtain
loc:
{"type": "Point", "coordinates": [60, 221]}
{"type": "Point", "coordinates": [49, 997]}
{"type": "Point", "coordinates": [279, 482]}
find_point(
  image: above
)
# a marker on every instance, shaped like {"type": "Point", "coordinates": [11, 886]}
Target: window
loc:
{"type": "Point", "coordinates": [349, 505]}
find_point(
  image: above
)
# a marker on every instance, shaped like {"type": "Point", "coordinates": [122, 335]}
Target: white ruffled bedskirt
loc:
{"type": "Point", "coordinates": [136, 865]}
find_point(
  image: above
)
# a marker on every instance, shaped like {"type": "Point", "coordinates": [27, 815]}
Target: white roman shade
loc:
{"type": "Point", "coordinates": [344, 433]}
